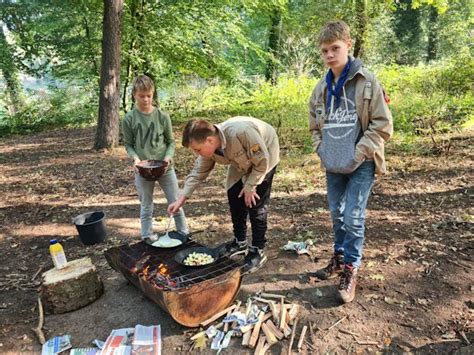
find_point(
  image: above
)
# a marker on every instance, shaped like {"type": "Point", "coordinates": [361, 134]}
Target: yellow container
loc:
{"type": "Point", "coordinates": [57, 253]}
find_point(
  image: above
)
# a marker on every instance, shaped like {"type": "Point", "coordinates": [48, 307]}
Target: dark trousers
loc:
{"type": "Point", "coordinates": [257, 214]}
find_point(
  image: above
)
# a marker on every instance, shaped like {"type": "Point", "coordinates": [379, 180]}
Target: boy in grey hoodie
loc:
{"type": "Point", "coordinates": [350, 121]}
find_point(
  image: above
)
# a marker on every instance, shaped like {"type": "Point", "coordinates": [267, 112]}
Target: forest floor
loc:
{"type": "Point", "coordinates": [415, 291]}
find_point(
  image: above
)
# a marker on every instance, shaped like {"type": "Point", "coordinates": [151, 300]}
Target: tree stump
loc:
{"type": "Point", "coordinates": [71, 288]}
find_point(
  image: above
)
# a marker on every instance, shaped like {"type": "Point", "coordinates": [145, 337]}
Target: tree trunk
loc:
{"type": "Point", "coordinates": [10, 74]}
{"type": "Point", "coordinates": [432, 35]}
{"type": "Point", "coordinates": [360, 28]}
{"type": "Point", "coordinates": [273, 47]}
{"type": "Point", "coordinates": [109, 100]}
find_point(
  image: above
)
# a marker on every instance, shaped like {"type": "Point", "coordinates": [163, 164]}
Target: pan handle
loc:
{"type": "Point", "coordinates": [189, 235]}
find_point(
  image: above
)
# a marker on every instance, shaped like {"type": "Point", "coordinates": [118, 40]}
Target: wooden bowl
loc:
{"type": "Point", "coordinates": [152, 170]}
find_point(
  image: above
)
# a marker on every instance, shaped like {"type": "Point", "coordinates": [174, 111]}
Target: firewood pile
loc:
{"type": "Point", "coordinates": [265, 320]}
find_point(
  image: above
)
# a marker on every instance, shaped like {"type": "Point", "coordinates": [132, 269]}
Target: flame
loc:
{"type": "Point", "coordinates": [163, 270]}
{"type": "Point", "coordinates": [145, 271]}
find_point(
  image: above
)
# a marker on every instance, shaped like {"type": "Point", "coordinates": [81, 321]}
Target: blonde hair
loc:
{"type": "Point", "coordinates": [142, 83]}
{"type": "Point", "coordinates": [333, 31]}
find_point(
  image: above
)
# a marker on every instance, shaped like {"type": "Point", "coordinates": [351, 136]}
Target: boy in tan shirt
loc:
{"type": "Point", "coordinates": [251, 149]}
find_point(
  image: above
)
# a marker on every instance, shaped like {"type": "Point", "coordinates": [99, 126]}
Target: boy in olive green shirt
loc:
{"type": "Point", "coordinates": [148, 135]}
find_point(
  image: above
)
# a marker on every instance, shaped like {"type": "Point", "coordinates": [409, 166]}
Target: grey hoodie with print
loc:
{"type": "Point", "coordinates": [342, 129]}
{"type": "Point", "coordinates": [348, 133]}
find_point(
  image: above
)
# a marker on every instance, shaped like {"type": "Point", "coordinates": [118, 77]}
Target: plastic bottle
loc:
{"type": "Point", "coordinates": [57, 253]}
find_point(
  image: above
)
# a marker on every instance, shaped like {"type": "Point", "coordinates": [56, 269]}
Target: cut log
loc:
{"type": "Point", "coordinates": [293, 313]}
{"type": "Point", "coordinates": [70, 288]}
{"type": "Point", "coordinates": [260, 345]}
{"type": "Point", "coordinates": [271, 338]}
{"type": "Point", "coordinates": [283, 312]}
{"type": "Point", "coordinates": [275, 330]}
{"type": "Point", "coordinates": [256, 330]}
{"type": "Point", "coordinates": [246, 338]}
{"type": "Point", "coordinates": [275, 312]}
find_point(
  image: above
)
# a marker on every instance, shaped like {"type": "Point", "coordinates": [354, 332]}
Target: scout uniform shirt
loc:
{"type": "Point", "coordinates": [251, 148]}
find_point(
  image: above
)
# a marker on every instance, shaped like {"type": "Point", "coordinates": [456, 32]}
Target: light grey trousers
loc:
{"type": "Point", "coordinates": [169, 184]}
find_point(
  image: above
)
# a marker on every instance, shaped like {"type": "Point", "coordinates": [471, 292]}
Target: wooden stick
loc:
{"type": "Point", "coordinates": [246, 338]}
{"type": "Point", "coordinates": [311, 347]}
{"type": "Point", "coordinates": [248, 327]}
{"type": "Point", "coordinates": [275, 330]}
{"type": "Point", "coordinates": [271, 338]}
{"type": "Point", "coordinates": [463, 335]}
{"type": "Point", "coordinates": [256, 330]}
{"type": "Point", "coordinates": [282, 315]}
{"type": "Point", "coordinates": [303, 333]}
{"type": "Point", "coordinates": [287, 331]}
{"type": "Point", "coordinates": [349, 332]}
{"type": "Point", "coordinates": [261, 343]}
{"type": "Point", "coordinates": [38, 330]}
{"type": "Point", "coordinates": [275, 312]}
{"type": "Point", "coordinates": [292, 313]}
{"type": "Point", "coordinates": [366, 342]}
{"type": "Point", "coordinates": [198, 335]}
{"type": "Point", "coordinates": [292, 339]}
{"type": "Point", "coordinates": [37, 273]}
{"type": "Point", "coordinates": [226, 324]}
{"type": "Point", "coordinates": [339, 321]}
{"type": "Point", "coordinates": [218, 315]}
{"type": "Point", "coordinates": [272, 295]}
{"type": "Point", "coordinates": [263, 300]}
{"type": "Point", "coordinates": [265, 348]}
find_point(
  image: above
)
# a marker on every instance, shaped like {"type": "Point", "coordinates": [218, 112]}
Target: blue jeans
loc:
{"type": "Point", "coordinates": [169, 184]}
{"type": "Point", "coordinates": [347, 198]}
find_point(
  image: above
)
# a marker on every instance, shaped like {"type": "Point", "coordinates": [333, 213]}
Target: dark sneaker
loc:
{"type": "Point", "coordinates": [333, 269]}
{"type": "Point", "coordinates": [254, 260]}
{"type": "Point", "coordinates": [234, 248]}
{"type": "Point", "coordinates": [348, 283]}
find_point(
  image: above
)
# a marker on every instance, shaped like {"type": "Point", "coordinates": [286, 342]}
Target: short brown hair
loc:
{"type": "Point", "coordinates": [333, 31]}
{"type": "Point", "coordinates": [142, 83]}
{"type": "Point", "coordinates": [197, 130]}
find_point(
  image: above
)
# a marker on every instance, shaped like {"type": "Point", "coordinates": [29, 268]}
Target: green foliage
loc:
{"type": "Point", "coordinates": [70, 106]}
{"type": "Point", "coordinates": [430, 98]}
{"type": "Point", "coordinates": [424, 99]}
{"type": "Point", "coordinates": [284, 105]}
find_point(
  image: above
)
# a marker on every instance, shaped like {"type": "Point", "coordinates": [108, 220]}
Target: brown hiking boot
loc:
{"type": "Point", "coordinates": [333, 269]}
{"type": "Point", "coordinates": [347, 284]}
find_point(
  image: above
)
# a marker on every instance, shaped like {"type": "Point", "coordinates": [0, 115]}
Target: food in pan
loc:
{"type": "Point", "coordinates": [197, 259]}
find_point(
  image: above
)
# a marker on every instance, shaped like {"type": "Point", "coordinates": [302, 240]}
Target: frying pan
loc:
{"type": "Point", "coordinates": [183, 238]}
{"type": "Point", "coordinates": [183, 254]}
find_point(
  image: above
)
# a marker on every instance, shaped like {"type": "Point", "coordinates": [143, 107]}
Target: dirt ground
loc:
{"type": "Point", "coordinates": [415, 290]}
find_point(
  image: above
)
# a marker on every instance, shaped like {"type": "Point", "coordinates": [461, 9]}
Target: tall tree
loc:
{"type": "Point", "coordinates": [10, 73]}
{"type": "Point", "coordinates": [432, 49]}
{"type": "Point", "coordinates": [360, 27]}
{"type": "Point", "coordinates": [107, 134]}
{"type": "Point", "coordinates": [273, 45]}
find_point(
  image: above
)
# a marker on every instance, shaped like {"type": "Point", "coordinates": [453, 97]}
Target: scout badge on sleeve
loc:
{"type": "Point", "coordinates": [255, 148]}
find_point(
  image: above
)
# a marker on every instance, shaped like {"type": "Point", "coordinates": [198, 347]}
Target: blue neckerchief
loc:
{"type": "Point", "coordinates": [336, 91]}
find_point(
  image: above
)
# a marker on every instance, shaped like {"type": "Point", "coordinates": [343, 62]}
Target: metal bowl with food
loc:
{"type": "Point", "coordinates": [197, 256]}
